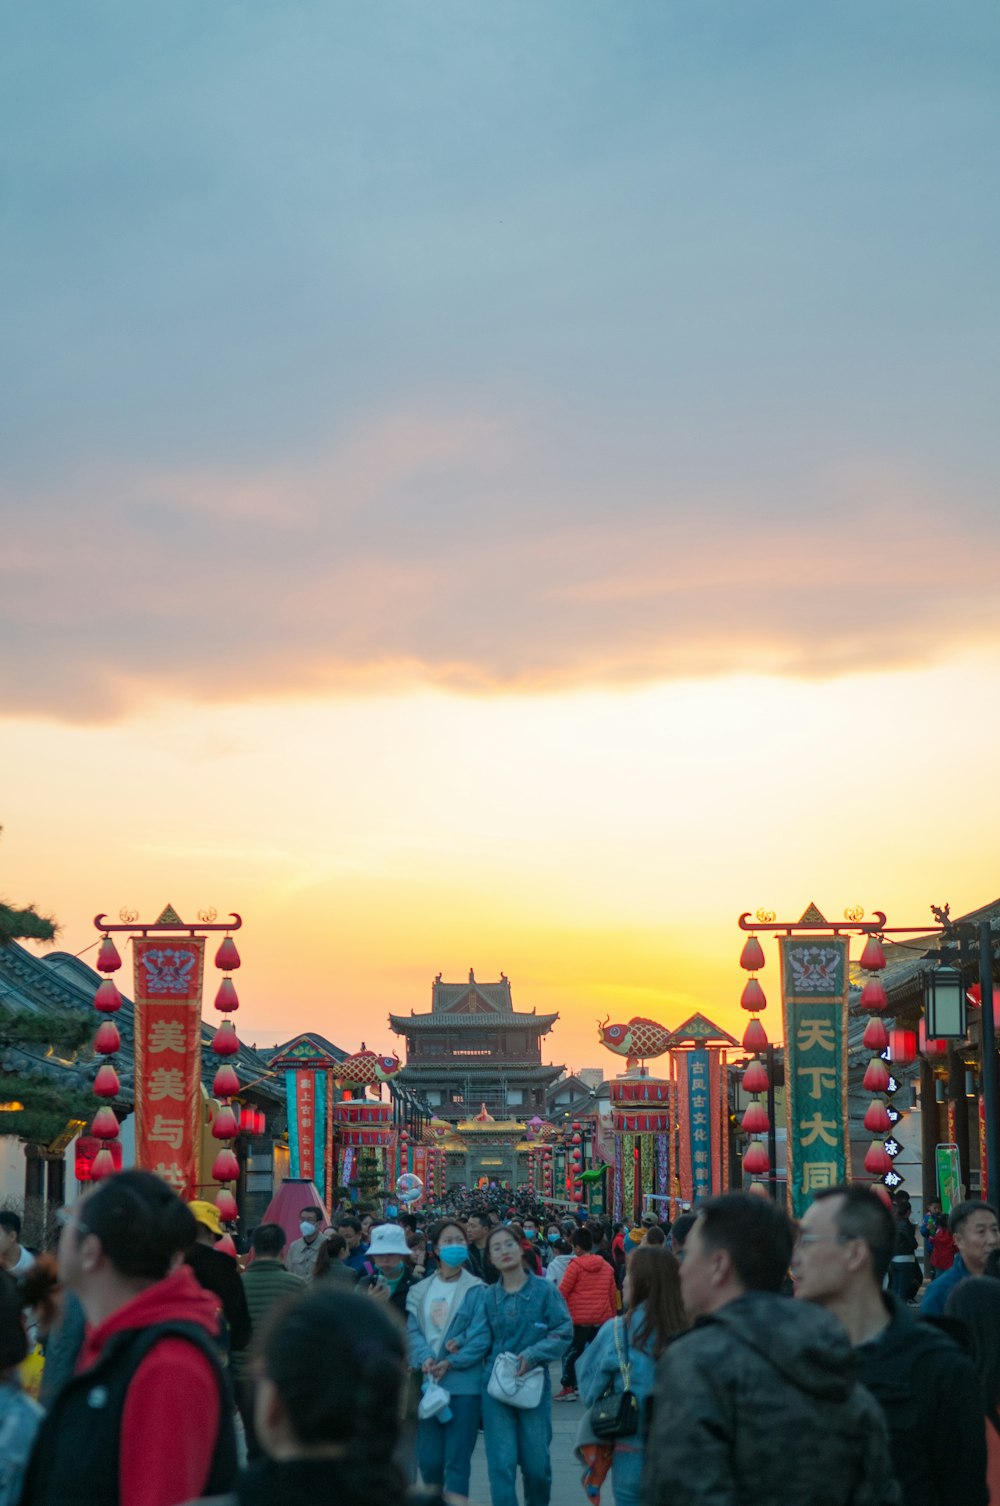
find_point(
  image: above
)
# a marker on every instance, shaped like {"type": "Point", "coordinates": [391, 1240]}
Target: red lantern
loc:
{"type": "Point", "coordinates": [108, 960]}
{"type": "Point", "coordinates": [248, 1120]}
{"type": "Point", "coordinates": [224, 1127]}
{"type": "Point", "coordinates": [107, 998]}
{"type": "Point", "coordinates": [103, 1165]}
{"type": "Point", "coordinates": [902, 1046]}
{"type": "Point", "coordinates": [105, 1125]}
{"type": "Point", "coordinates": [754, 1037]}
{"type": "Point", "coordinates": [975, 998]}
{"type": "Point", "coordinates": [225, 1167]}
{"type": "Point", "coordinates": [876, 1037]}
{"type": "Point", "coordinates": [576, 1140]}
{"type": "Point", "coordinates": [752, 955]}
{"type": "Point", "coordinates": [227, 958]}
{"type": "Point", "coordinates": [224, 1041]}
{"type": "Point", "coordinates": [752, 998]}
{"type": "Point", "coordinates": [106, 1084]}
{"type": "Point", "coordinates": [873, 957]}
{"type": "Point", "coordinates": [225, 1082]}
{"type": "Point", "coordinates": [756, 1161]}
{"type": "Point", "coordinates": [877, 1118]}
{"type": "Point", "coordinates": [877, 1159]}
{"type": "Point", "coordinates": [873, 997]}
{"type": "Point", "coordinates": [755, 1078]}
{"type": "Point", "coordinates": [755, 1120]}
{"type": "Point", "coordinates": [876, 1078]}
{"type": "Point", "coordinates": [107, 1040]}
{"type": "Point", "coordinates": [929, 1048]}
{"type": "Point", "coordinates": [226, 1000]}
{"type": "Point", "coordinates": [260, 1122]}
{"type": "Point", "coordinates": [226, 1204]}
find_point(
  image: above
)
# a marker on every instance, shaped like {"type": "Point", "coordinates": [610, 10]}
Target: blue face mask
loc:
{"type": "Point", "coordinates": [552, 1238]}
{"type": "Point", "coordinates": [453, 1254]}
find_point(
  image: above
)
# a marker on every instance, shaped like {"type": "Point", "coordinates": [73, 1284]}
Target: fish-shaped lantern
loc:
{"type": "Point", "coordinates": [636, 1041]}
{"type": "Point", "coordinates": [365, 1068]}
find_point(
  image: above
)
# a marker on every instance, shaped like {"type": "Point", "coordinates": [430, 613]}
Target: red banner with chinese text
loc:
{"type": "Point", "coordinates": [305, 1110]}
{"type": "Point", "coordinates": [168, 981]}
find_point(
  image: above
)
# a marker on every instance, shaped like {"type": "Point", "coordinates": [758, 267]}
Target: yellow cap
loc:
{"type": "Point", "coordinates": [207, 1214]}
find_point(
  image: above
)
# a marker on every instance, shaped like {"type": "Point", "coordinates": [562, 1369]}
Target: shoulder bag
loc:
{"type": "Point", "coordinates": [524, 1391]}
{"type": "Point", "coordinates": [616, 1413]}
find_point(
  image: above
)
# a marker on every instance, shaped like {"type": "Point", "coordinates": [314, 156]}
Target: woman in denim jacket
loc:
{"type": "Point", "coordinates": [654, 1315]}
{"type": "Point", "coordinates": [523, 1315]}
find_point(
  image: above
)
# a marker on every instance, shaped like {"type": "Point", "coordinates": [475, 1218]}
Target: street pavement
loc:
{"type": "Point", "coordinates": [566, 1468]}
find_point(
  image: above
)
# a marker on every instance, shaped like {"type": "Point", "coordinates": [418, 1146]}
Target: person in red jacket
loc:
{"type": "Point", "coordinates": [590, 1292]}
{"type": "Point", "coordinates": [146, 1419]}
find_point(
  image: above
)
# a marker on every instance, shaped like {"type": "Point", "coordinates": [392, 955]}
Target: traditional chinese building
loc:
{"type": "Point", "coordinates": [471, 1050]}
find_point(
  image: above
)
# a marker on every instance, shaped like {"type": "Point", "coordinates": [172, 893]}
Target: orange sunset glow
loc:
{"type": "Point", "coordinates": [502, 487]}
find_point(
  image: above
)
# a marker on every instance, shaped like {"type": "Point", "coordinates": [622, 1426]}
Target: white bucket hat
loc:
{"type": "Point", "coordinates": [388, 1239]}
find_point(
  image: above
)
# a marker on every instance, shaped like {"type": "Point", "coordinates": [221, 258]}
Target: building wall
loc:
{"type": "Point", "coordinates": [11, 1170]}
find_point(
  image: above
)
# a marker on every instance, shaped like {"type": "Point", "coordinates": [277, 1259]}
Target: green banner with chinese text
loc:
{"type": "Point", "coordinates": [814, 984]}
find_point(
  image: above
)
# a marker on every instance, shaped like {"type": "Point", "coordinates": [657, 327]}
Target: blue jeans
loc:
{"type": "Point", "coordinates": [445, 1449]}
{"type": "Point", "coordinates": [626, 1473]}
{"type": "Point", "coordinates": [518, 1436]}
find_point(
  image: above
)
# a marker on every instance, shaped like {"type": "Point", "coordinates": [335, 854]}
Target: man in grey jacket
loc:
{"type": "Point", "coordinates": [759, 1401]}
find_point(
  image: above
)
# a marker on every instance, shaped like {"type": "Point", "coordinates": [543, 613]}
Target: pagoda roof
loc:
{"type": "Point", "coordinates": [471, 997]}
{"type": "Point", "coordinates": [401, 1023]}
{"type": "Point", "coordinates": [303, 1050]}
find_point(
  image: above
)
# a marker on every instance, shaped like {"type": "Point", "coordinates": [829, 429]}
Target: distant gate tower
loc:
{"type": "Point", "coordinates": [474, 1048]}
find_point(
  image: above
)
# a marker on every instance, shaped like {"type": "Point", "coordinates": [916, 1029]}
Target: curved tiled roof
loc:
{"type": "Point", "coordinates": [512, 1019]}
{"type": "Point", "coordinates": [30, 984]}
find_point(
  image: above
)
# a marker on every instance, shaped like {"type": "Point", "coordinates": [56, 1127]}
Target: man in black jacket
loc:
{"type": "Point", "coordinates": [219, 1274]}
{"type": "Point", "coordinates": [925, 1386]}
{"type": "Point", "coordinates": [758, 1401]}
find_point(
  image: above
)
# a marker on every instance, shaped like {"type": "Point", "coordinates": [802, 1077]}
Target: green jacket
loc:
{"type": "Point", "coordinates": [265, 1282]}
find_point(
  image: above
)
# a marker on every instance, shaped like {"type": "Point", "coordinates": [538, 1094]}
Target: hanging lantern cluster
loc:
{"type": "Point", "coordinates": [252, 1121]}
{"type": "Point", "coordinates": [107, 1042]}
{"type": "Point", "coordinates": [226, 1126]}
{"type": "Point", "coordinates": [876, 1040]}
{"type": "Point", "coordinates": [756, 1162]}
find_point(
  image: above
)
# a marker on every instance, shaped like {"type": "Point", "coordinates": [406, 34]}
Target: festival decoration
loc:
{"type": "Point", "coordinates": [814, 986]}
{"type": "Point", "coordinates": [638, 1040]}
{"type": "Point", "coordinates": [365, 1068]}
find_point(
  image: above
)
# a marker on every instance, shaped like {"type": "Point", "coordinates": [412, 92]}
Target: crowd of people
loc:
{"type": "Point", "coordinates": [729, 1355]}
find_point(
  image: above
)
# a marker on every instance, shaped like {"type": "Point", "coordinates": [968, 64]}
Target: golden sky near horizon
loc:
{"type": "Point", "coordinates": [597, 847]}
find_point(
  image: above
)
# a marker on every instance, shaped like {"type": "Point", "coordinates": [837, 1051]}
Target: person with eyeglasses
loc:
{"type": "Point", "coordinates": [758, 1401]}
{"type": "Point", "coordinates": [926, 1387]}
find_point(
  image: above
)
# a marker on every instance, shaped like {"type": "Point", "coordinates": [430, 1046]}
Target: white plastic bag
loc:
{"type": "Point", "coordinates": [434, 1399]}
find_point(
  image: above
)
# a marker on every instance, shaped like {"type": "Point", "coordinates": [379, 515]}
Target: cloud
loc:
{"type": "Point", "coordinates": [476, 553]}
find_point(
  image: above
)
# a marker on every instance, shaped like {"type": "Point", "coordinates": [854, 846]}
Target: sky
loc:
{"type": "Point", "coordinates": [507, 484]}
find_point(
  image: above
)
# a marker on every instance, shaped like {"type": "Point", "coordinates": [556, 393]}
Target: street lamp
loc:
{"type": "Point", "coordinates": [944, 1004]}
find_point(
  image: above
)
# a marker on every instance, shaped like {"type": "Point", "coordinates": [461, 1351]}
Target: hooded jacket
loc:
{"type": "Point", "coordinates": [590, 1291]}
{"type": "Point", "coordinates": [929, 1394]}
{"type": "Point", "coordinates": [759, 1402]}
{"type": "Point", "coordinates": [177, 1392]}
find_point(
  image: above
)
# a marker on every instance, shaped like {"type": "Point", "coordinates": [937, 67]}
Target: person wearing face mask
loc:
{"type": "Point", "coordinates": [438, 1310]}
{"type": "Point", "coordinates": [302, 1253]}
{"type": "Point", "coordinates": [393, 1275]}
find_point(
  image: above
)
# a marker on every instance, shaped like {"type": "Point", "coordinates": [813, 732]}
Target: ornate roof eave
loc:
{"type": "Point", "coordinates": [429, 1072]}
{"type": "Point", "coordinates": [401, 1023]}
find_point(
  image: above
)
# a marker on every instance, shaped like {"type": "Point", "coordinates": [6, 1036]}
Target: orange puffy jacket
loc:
{"type": "Point", "coordinates": [589, 1289]}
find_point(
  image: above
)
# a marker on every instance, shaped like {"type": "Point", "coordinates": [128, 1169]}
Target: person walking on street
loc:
{"type": "Point", "coordinates": [974, 1229]}
{"type": "Point", "coordinates": [218, 1273]}
{"type": "Point", "coordinates": [632, 1345]}
{"type": "Point", "coordinates": [147, 1420]}
{"type": "Point", "coordinates": [437, 1309]}
{"type": "Point", "coordinates": [266, 1282]}
{"type": "Point", "coordinates": [923, 1383]}
{"type": "Point", "coordinates": [758, 1401]}
{"type": "Point", "coordinates": [357, 1249]}
{"type": "Point", "coordinates": [14, 1258]}
{"type": "Point", "coordinates": [302, 1253]}
{"type": "Point", "coordinates": [330, 1433]}
{"type": "Point", "coordinates": [588, 1286]}
{"type": "Point", "coordinates": [904, 1273]}
{"type": "Point", "coordinates": [975, 1304]}
{"type": "Point", "coordinates": [477, 1228]}
{"type": "Point", "coordinates": [522, 1315]}
{"type": "Point", "coordinates": [20, 1414]}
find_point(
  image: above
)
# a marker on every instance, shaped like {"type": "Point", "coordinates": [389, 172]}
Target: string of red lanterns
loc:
{"type": "Point", "coordinates": [107, 1043]}
{"type": "Point", "coordinates": [876, 1039]}
{"type": "Point", "coordinates": [756, 1121]}
{"type": "Point", "coordinates": [226, 1126]}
